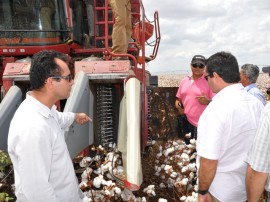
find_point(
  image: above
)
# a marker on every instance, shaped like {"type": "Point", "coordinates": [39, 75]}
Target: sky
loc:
{"type": "Point", "coordinates": [191, 27]}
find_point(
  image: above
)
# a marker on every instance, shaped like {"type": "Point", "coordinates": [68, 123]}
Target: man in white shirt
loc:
{"type": "Point", "coordinates": [225, 132]}
{"type": "Point", "coordinates": [42, 166]}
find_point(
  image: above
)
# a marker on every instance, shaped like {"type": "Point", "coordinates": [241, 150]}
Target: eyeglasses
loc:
{"type": "Point", "coordinates": [68, 77]}
{"type": "Point", "coordinates": [209, 75]}
{"type": "Point", "coordinates": [196, 65]}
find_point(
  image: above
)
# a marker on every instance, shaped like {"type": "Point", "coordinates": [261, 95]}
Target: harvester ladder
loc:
{"type": "Point", "coordinates": [100, 8]}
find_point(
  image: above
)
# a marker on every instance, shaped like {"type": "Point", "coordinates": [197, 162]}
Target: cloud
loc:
{"type": "Point", "coordinates": [190, 27]}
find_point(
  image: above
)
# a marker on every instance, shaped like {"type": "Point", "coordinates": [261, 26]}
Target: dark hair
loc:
{"type": "Point", "coordinates": [43, 66]}
{"type": "Point", "coordinates": [225, 65]}
{"type": "Point", "coordinates": [251, 71]}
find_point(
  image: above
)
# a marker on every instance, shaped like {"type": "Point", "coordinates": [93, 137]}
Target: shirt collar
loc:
{"type": "Point", "coordinates": [42, 109]}
{"type": "Point", "coordinates": [247, 88]}
{"type": "Point", "coordinates": [228, 90]}
{"type": "Point", "coordinates": [191, 78]}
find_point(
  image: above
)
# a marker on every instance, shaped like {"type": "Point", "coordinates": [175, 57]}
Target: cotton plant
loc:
{"type": "Point", "coordinates": [102, 178]}
{"type": "Point", "coordinates": [175, 165]}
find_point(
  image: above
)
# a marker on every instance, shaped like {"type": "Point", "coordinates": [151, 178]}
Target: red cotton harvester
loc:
{"type": "Point", "coordinates": [112, 92]}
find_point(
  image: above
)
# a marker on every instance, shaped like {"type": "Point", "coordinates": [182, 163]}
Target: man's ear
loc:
{"type": "Point", "coordinates": [216, 75]}
{"type": "Point", "coordinates": [49, 83]}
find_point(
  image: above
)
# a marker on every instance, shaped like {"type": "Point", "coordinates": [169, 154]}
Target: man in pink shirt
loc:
{"type": "Point", "coordinates": [193, 96]}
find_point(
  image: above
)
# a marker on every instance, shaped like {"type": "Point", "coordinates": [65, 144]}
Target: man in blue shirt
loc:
{"type": "Point", "coordinates": [248, 77]}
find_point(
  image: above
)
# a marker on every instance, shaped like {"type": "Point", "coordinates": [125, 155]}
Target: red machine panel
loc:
{"type": "Point", "coordinates": [13, 69]}
{"type": "Point", "coordinates": [98, 67]}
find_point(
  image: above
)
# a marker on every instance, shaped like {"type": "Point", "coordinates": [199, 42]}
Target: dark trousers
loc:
{"type": "Point", "coordinates": [193, 132]}
{"type": "Point", "coordinates": [184, 127]}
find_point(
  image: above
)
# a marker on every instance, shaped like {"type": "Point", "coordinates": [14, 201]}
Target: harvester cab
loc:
{"type": "Point", "coordinates": [112, 92]}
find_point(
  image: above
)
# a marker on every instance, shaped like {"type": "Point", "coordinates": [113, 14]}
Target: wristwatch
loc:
{"type": "Point", "coordinates": [202, 192]}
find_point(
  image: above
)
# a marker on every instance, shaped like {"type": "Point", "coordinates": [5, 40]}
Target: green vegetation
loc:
{"type": "Point", "coordinates": [6, 178]}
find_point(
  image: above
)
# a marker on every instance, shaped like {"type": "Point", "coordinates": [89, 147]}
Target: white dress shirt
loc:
{"type": "Point", "coordinates": [42, 165]}
{"type": "Point", "coordinates": [225, 133]}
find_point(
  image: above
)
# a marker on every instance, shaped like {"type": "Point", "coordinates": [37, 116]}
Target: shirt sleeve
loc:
{"type": "Point", "coordinates": [179, 91]}
{"type": "Point", "coordinates": [34, 162]}
{"type": "Point", "coordinates": [259, 154]}
{"type": "Point", "coordinates": [65, 119]}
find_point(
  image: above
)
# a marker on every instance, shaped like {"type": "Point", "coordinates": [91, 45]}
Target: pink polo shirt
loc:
{"type": "Point", "coordinates": [188, 91]}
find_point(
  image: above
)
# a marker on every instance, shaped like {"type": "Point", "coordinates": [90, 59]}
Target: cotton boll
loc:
{"type": "Point", "coordinates": [191, 175]}
{"type": "Point", "coordinates": [111, 156]}
{"type": "Point", "coordinates": [188, 135]}
{"type": "Point", "coordinates": [107, 193]}
{"type": "Point", "coordinates": [127, 195]}
{"type": "Point", "coordinates": [117, 190]}
{"type": "Point", "coordinates": [97, 181]}
{"type": "Point", "coordinates": [150, 190]}
{"type": "Point", "coordinates": [162, 185]}
{"type": "Point", "coordinates": [84, 162]}
{"type": "Point", "coordinates": [184, 169]}
{"type": "Point", "coordinates": [170, 181]}
{"type": "Point", "coordinates": [100, 148]}
{"type": "Point", "coordinates": [97, 158]}
{"type": "Point", "coordinates": [168, 151]}
{"type": "Point", "coordinates": [178, 179]}
{"type": "Point", "coordinates": [184, 156]}
{"type": "Point", "coordinates": [193, 141]}
{"type": "Point", "coordinates": [183, 198]}
{"type": "Point", "coordinates": [194, 194]}
{"type": "Point", "coordinates": [184, 181]}
{"type": "Point", "coordinates": [84, 175]}
{"type": "Point", "coordinates": [180, 164]}
{"type": "Point", "coordinates": [181, 147]}
{"type": "Point", "coordinates": [143, 199]}
{"type": "Point", "coordinates": [160, 148]}
{"type": "Point", "coordinates": [192, 199]}
{"type": "Point", "coordinates": [98, 171]}
{"type": "Point", "coordinates": [104, 168]}
{"type": "Point", "coordinates": [192, 167]}
{"type": "Point", "coordinates": [110, 183]}
{"type": "Point", "coordinates": [83, 184]}
{"type": "Point", "coordinates": [193, 156]}
{"type": "Point", "coordinates": [167, 168]}
{"type": "Point", "coordinates": [159, 155]}
{"type": "Point", "coordinates": [86, 199]}
{"type": "Point", "coordinates": [173, 175]}
{"type": "Point", "coordinates": [195, 187]}
{"type": "Point", "coordinates": [151, 193]}
{"type": "Point", "coordinates": [162, 200]}
{"type": "Point", "coordinates": [104, 182]}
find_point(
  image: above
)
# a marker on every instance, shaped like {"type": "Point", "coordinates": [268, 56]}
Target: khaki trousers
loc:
{"type": "Point", "coordinates": [122, 28]}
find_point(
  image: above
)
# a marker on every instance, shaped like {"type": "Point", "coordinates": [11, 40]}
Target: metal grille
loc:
{"type": "Point", "coordinates": [105, 120]}
{"type": "Point", "coordinates": [149, 129]}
